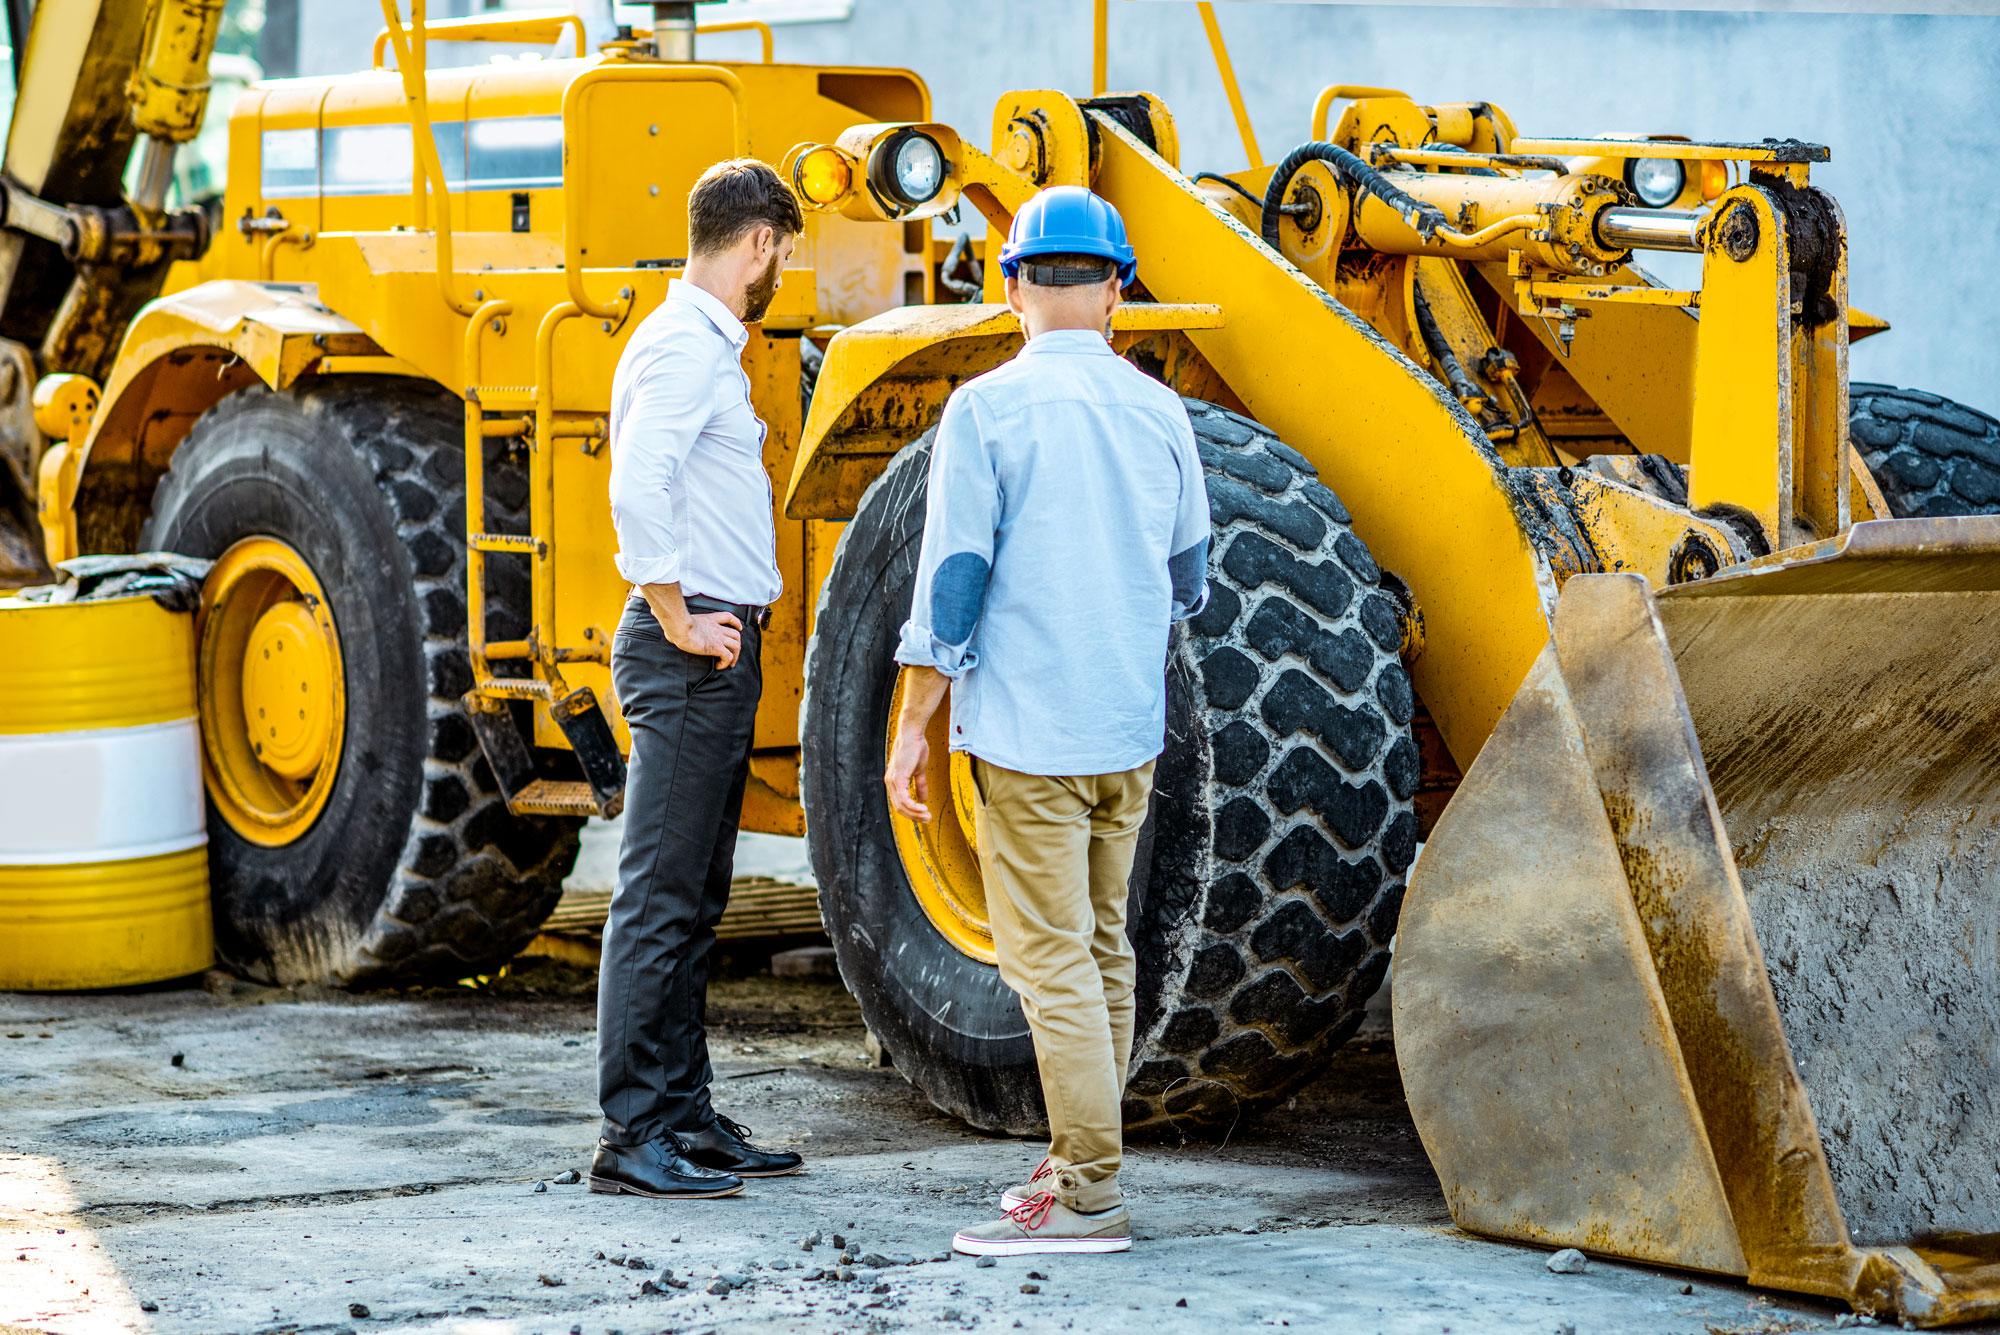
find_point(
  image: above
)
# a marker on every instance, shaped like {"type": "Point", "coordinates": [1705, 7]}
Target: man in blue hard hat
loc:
{"type": "Point", "coordinates": [1066, 529]}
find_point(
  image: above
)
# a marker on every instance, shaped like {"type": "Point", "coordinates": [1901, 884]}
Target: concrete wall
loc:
{"type": "Point", "coordinates": [1905, 101]}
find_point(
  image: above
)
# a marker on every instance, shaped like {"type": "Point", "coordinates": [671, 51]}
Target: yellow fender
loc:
{"type": "Point", "coordinates": [181, 356]}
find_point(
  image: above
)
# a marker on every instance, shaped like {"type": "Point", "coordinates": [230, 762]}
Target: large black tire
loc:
{"type": "Point", "coordinates": [415, 870]}
{"type": "Point", "coordinates": [1271, 870]}
{"type": "Point", "coordinates": [1929, 455]}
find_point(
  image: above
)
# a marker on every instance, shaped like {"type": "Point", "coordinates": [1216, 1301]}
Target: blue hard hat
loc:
{"type": "Point", "coordinates": [1068, 220]}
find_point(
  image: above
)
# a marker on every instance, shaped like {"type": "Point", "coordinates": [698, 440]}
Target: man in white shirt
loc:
{"type": "Point", "coordinates": [691, 502]}
{"type": "Point", "coordinates": [1066, 527]}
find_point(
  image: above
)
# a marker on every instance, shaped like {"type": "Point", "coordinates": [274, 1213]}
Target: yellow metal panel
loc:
{"type": "Point", "coordinates": [105, 924]}
{"type": "Point", "coordinates": [1740, 447]}
{"type": "Point", "coordinates": [773, 367]}
{"type": "Point", "coordinates": [648, 142]}
{"type": "Point", "coordinates": [115, 664]}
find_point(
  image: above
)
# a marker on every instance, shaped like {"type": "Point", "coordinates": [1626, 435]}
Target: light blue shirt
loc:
{"type": "Point", "coordinates": [1066, 529]}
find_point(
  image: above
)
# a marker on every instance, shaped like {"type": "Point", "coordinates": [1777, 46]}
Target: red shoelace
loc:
{"type": "Point", "coordinates": [1031, 1213]}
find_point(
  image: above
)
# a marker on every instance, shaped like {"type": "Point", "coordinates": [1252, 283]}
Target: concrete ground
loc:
{"type": "Point", "coordinates": [236, 1159]}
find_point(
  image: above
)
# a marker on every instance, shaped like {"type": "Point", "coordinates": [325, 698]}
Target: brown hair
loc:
{"type": "Point", "coordinates": [735, 196]}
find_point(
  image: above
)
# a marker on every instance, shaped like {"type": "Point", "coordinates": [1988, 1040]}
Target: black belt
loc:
{"type": "Point", "coordinates": [748, 614]}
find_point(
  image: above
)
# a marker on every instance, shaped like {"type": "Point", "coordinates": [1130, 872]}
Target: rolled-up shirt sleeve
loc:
{"type": "Point", "coordinates": [658, 426]}
{"type": "Point", "coordinates": [1188, 566]}
{"type": "Point", "coordinates": [955, 564]}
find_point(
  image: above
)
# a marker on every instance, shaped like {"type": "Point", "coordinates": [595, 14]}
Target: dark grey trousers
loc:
{"type": "Point", "coordinates": [691, 728]}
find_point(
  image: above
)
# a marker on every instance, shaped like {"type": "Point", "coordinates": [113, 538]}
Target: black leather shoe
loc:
{"type": "Point", "coordinates": [659, 1168]}
{"type": "Point", "coordinates": [725, 1145]}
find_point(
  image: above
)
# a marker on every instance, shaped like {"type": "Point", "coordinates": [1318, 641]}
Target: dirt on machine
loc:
{"type": "Point", "coordinates": [1581, 580]}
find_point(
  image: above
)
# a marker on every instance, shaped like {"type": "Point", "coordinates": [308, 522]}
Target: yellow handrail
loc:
{"type": "Point", "coordinates": [1228, 73]}
{"type": "Point", "coordinates": [542, 491]}
{"type": "Point", "coordinates": [1334, 92]}
{"type": "Point", "coordinates": [537, 27]}
{"type": "Point", "coordinates": [577, 145]}
{"type": "Point", "coordinates": [475, 485]}
{"type": "Point", "coordinates": [748, 25]}
{"type": "Point", "coordinates": [422, 137]}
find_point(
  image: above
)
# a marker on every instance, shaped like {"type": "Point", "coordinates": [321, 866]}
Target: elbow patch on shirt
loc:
{"type": "Point", "coordinates": [1189, 571]}
{"type": "Point", "coordinates": [958, 594]}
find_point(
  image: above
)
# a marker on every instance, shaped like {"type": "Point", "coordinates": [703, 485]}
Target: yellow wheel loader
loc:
{"type": "Point", "coordinates": [1648, 992]}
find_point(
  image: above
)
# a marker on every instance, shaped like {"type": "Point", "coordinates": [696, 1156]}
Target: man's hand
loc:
{"type": "Point", "coordinates": [717, 635]}
{"type": "Point", "coordinates": [909, 765]}
{"type": "Point", "coordinates": [909, 759]}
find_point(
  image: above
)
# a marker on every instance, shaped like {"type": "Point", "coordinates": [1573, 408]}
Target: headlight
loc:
{"type": "Point", "coordinates": [822, 176]}
{"type": "Point", "coordinates": [908, 168]}
{"type": "Point", "coordinates": [1657, 182]}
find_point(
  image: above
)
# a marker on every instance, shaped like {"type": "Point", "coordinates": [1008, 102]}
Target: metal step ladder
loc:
{"type": "Point", "coordinates": [503, 412]}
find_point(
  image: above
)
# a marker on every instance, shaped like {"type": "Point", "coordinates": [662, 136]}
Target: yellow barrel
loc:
{"type": "Point", "coordinates": [103, 851]}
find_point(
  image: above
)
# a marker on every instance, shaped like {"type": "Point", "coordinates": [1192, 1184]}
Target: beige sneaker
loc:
{"type": "Point", "coordinates": [1044, 1224]}
{"type": "Point", "coordinates": [1013, 1196]}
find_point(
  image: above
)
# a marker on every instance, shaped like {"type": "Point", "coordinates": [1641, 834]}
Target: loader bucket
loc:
{"type": "Point", "coordinates": [1701, 966]}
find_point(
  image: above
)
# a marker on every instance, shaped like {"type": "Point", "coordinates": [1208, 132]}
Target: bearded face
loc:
{"type": "Point", "coordinates": [758, 296]}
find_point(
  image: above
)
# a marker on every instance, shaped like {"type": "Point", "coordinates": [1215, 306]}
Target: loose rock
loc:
{"type": "Point", "coordinates": [1031, 1288]}
{"type": "Point", "coordinates": [1036, 1274]}
{"type": "Point", "coordinates": [843, 1274]}
{"type": "Point", "coordinates": [984, 1261]}
{"type": "Point", "coordinates": [840, 1242]}
{"type": "Point", "coordinates": [1686, 1289]}
{"type": "Point", "coordinates": [568, 1177]}
{"type": "Point", "coordinates": [1568, 1261]}
{"type": "Point", "coordinates": [809, 1241]}
{"type": "Point", "coordinates": [148, 1305]}
{"type": "Point", "coordinates": [541, 1186]}
{"type": "Point", "coordinates": [1181, 1303]}
{"type": "Point", "coordinates": [550, 1280]}
{"type": "Point", "coordinates": [637, 1263]}
{"type": "Point", "coordinates": [357, 1310]}
{"type": "Point", "coordinates": [719, 1286]}
{"type": "Point", "coordinates": [880, 1286]}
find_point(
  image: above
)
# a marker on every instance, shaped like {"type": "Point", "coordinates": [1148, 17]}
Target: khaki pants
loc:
{"type": "Point", "coordinates": [1056, 854]}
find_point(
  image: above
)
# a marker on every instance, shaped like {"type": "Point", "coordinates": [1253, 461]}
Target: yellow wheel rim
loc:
{"type": "Point", "coordinates": [941, 856]}
{"type": "Point", "coordinates": [273, 694]}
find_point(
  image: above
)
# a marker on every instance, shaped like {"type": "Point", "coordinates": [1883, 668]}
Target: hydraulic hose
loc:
{"type": "Point", "coordinates": [1472, 396]}
{"type": "Point", "coordinates": [1424, 219]}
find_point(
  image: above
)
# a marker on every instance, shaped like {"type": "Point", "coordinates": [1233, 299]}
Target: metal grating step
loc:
{"type": "Point", "coordinates": [551, 797]}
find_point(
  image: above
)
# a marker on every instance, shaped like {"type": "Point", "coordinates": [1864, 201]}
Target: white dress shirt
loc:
{"type": "Point", "coordinates": [690, 498]}
{"type": "Point", "coordinates": [1066, 527]}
